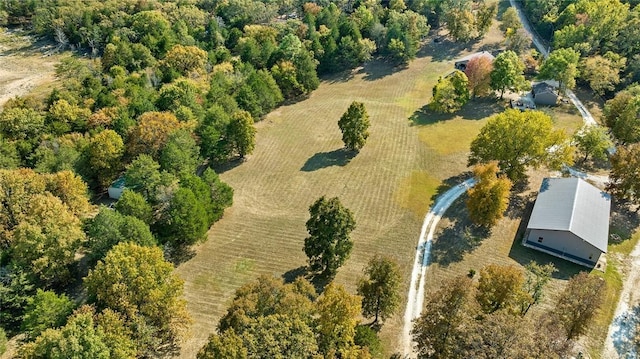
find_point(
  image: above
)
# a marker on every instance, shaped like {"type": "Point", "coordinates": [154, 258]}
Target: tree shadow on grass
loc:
{"type": "Point", "coordinates": [444, 49]}
{"type": "Point", "coordinates": [381, 67]}
{"type": "Point", "coordinates": [476, 109]}
{"type": "Point", "coordinates": [227, 166]}
{"type": "Point", "coordinates": [179, 254]}
{"type": "Point", "coordinates": [340, 157]}
{"type": "Point", "coordinates": [459, 238]}
{"type": "Point", "coordinates": [318, 280]}
{"type": "Point", "coordinates": [624, 222]}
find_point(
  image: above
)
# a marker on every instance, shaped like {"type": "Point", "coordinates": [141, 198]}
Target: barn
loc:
{"type": "Point", "coordinates": [570, 220]}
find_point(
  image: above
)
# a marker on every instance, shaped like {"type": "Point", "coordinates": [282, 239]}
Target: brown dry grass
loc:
{"type": "Point", "coordinates": [388, 185]}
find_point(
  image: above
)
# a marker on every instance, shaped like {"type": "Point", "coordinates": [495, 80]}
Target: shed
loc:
{"type": "Point", "coordinates": [570, 220]}
{"type": "Point", "coordinates": [116, 188]}
{"type": "Point", "coordinates": [544, 94]}
{"type": "Point", "coordinates": [461, 64]}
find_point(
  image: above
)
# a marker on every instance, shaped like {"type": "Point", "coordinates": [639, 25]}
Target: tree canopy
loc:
{"type": "Point", "coordinates": [354, 124]}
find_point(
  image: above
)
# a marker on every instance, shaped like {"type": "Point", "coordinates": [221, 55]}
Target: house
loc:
{"type": "Point", "coordinates": [116, 188]}
{"type": "Point", "coordinates": [461, 64]}
{"type": "Point", "coordinates": [544, 94]}
{"type": "Point", "coordinates": [570, 220]}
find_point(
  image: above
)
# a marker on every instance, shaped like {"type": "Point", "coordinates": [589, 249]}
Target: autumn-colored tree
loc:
{"type": "Point", "coordinates": [46, 240]}
{"type": "Point", "coordinates": [354, 124]}
{"type": "Point", "coordinates": [489, 198]}
{"type": "Point", "coordinates": [520, 139]}
{"type": "Point", "coordinates": [380, 288]}
{"type": "Point", "coordinates": [624, 182]}
{"type": "Point", "coordinates": [450, 93]}
{"type": "Point", "coordinates": [138, 283]}
{"type": "Point", "coordinates": [578, 304]}
{"type": "Point", "coordinates": [507, 73]}
{"type": "Point", "coordinates": [338, 313]}
{"type": "Point", "coordinates": [603, 72]}
{"type": "Point", "coordinates": [17, 188]}
{"type": "Point", "coordinates": [500, 287]}
{"type": "Point", "coordinates": [185, 60]}
{"type": "Point", "coordinates": [478, 73]}
{"type": "Point", "coordinates": [71, 190]}
{"type": "Point", "coordinates": [439, 329]}
{"type": "Point", "coordinates": [510, 20]}
{"type": "Point", "coordinates": [103, 157]}
{"type": "Point", "coordinates": [151, 133]}
{"type": "Point", "coordinates": [241, 134]}
{"type": "Point", "coordinates": [328, 245]}
{"type": "Point", "coordinates": [593, 141]}
{"type": "Point", "coordinates": [227, 345]}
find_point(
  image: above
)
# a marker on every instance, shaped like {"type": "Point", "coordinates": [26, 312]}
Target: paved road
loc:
{"type": "Point", "coordinates": [415, 299]}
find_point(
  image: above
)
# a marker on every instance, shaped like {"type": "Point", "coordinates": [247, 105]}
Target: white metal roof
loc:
{"type": "Point", "coordinates": [572, 204]}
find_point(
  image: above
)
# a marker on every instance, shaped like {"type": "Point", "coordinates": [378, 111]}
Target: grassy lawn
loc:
{"type": "Point", "coordinates": [389, 185]}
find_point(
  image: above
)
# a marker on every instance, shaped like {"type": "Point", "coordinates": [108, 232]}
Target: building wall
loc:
{"type": "Point", "coordinates": [563, 243]}
{"type": "Point", "coordinates": [545, 98]}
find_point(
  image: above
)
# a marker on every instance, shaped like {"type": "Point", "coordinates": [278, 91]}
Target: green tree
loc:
{"type": "Point", "coordinates": [279, 337]}
{"type": "Point", "coordinates": [489, 198]}
{"type": "Point", "coordinates": [185, 221]}
{"type": "Point", "coordinates": [9, 156]}
{"type": "Point", "coordinates": [537, 277]}
{"type": "Point", "coordinates": [3, 341]}
{"type": "Point", "coordinates": [45, 310]}
{"type": "Point", "coordinates": [519, 139]}
{"type": "Point", "coordinates": [438, 330]}
{"type": "Point", "coordinates": [180, 153]}
{"type": "Point", "coordinates": [622, 115]}
{"type": "Point", "coordinates": [15, 291]}
{"type": "Point", "coordinates": [133, 204]}
{"type": "Point", "coordinates": [593, 141]}
{"type": "Point", "coordinates": [138, 283]}
{"type": "Point", "coordinates": [380, 288]}
{"type": "Point", "coordinates": [337, 319]}
{"type": "Point", "coordinates": [624, 183]}
{"type": "Point", "coordinates": [450, 93]}
{"type": "Point", "coordinates": [354, 124]}
{"type": "Point", "coordinates": [507, 73]}
{"type": "Point", "coordinates": [510, 20]}
{"type": "Point", "coordinates": [561, 65]}
{"type": "Point", "coordinates": [603, 72]}
{"type": "Point", "coordinates": [484, 17]}
{"type": "Point", "coordinates": [109, 228]}
{"type": "Point", "coordinates": [500, 287]}
{"type": "Point", "coordinates": [143, 176]}
{"type": "Point", "coordinates": [579, 302]}
{"type": "Point", "coordinates": [328, 245]}
{"type": "Point", "coordinates": [227, 345]}
{"type": "Point", "coordinates": [460, 22]}
{"type": "Point", "coordinates": [241, 134]}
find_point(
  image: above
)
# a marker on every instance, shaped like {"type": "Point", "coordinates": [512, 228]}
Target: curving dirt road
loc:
{"type": "Point", "coordinates": [416, 287]}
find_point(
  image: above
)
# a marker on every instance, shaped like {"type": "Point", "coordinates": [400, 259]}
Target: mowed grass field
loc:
{"type": "Point", "coordinates": [298, 157]}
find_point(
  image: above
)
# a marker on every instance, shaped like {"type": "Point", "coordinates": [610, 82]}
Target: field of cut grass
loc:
{"type": "Point", "coordinates": [298, 158]}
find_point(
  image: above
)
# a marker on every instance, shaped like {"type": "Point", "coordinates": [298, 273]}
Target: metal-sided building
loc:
{"type": "Point", "coordinates": [570, 220]}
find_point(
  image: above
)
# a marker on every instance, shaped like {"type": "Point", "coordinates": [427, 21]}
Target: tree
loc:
{"type": "Point", "coordinates": [46, 241]}
{"type": "Point", "coordinates": [510, 20]}
{"type": "Point", "coordinates": [138, 283]}
{"type": "Point", "coordinates": [593, 141]}
{"type": "Point", "coordinates": [103, 157]}
{"type": "Point", "coordinates": [354, 124]}
{"type": "Point", "coordinates": [15, 291]}
{"type": "Point", "coordinates": [280, 337]}
{"type": "Point", "coordinates": [622, 115]}
{"type": "Point", "coordinates": [489, 198]}
{"type": "Point", "coordinates": [500, 287]}
{"type": "Point", "coordinates": [478, 73]}
{"type": "Point", "coordinates": [151, 133]}
{"type": "Point", "coordinates": [133, 204]}
{"type": "Point", "coordinates": [227, 345]}
{"type": "Point", "coordinates": [579, 302]}
{"type": "Point", "coordinates": [497, 335]}
{"type": "Point", "coordinates": [561, 65]}
{"type": "Point", "coordinates": [3, 341]}
{"type": "Point", "coordinates": [71, 190]}
{"type": "Point", "coordinates": [507, 73]}
{"type": "Point", "coordinates": [518, 41]}
{"type": "Point", "coordinates": [185, 221]}
{"type": "Point", "coordinates": [180, 153]}
{"type": "Point", "coordinates": [519, 139]}
{"type": "Point", "coordinates": [380, 289]}
{"type": "Point", "coordinates": [624, 182]}
{"type": "Point", "coordinates": [45, 310]}
{"type": "Point", "coordinates": [460, 22]}
{"type": "Point", "coordinates": [108, 228]}
{"type": "Point", "coordinates": [603, 72]}
{"type": "Point", "coordinates": [439, 328]}
{"type": "Point", "coordinates": [337, 319]}
{"type": "Point", "coordinates": [484, 17]}
{"type": "Point", "coordinates": [143, 176]}
{"type": "Point", "coordinates": [450, 93]}
{"type": "Point", "coordinates": [537, 277]}
{"type": "Point", "coordinates": [328, 245]}
{"type": "Point", "coordinates": [241, 134]}
{"type": "Point", "coordinates": [185, 60]}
